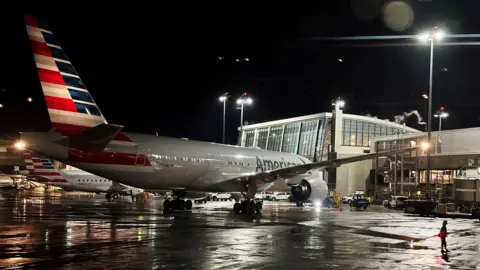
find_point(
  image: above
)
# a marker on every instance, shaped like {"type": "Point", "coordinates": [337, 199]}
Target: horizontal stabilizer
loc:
{"type": "Point", "coordinates": [94, 139]}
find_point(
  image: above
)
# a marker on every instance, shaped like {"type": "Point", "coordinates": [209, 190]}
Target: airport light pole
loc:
{"type": "Point", "coordinates": [425, 96]}
{"type": "Point", "coordinates": [244, 99]}
{"type": "Point", "coordinates": [223, 98]}
{"type": "Point", "coordinates": [441, 114]}
{"type": "Point", "coordinates": [436, 34]}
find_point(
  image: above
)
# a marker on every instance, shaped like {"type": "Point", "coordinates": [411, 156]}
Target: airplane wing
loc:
{"type": "Point", "coordinates": [285, 173]}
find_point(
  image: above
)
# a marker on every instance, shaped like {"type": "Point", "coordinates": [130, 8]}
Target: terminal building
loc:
{"type": "Point", "coordinates": [311, 136]}
{"type": "Point", "coordinates": [454, 153]}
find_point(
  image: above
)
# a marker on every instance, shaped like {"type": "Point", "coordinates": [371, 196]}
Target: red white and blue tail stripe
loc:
{"type": "Point", "coordinates": [42, 168]}
{"type": "Point", "coordinates": [70, 106]}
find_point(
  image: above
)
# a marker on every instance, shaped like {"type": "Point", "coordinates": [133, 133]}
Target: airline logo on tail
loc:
{"type": "Point", "coordinates": [70, 106]}
{"type": "Point", "coordinates": [42, 167]}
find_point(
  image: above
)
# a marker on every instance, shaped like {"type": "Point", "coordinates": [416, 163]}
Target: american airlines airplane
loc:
{"type": "Point", "coordinates": [81, 137]}
{"type": "Point", "coordinates": [74, 179]}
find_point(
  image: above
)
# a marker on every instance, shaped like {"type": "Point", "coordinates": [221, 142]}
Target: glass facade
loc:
{"type": "Point", "coordinates": [361, 133]}
{"type": "Point", "coordinates": [275, 138]}
{"type": "Point", "coordinates": [249, 138]}
{"type": "Point", "coordinates": [262, 138]}
{"type": "Point", "coordinates": [311, 137]}
{"type": "Point", "coordinates": [442, 177]}
{"type": "Point", "coordinates": [308, 138]}
{"type": "Point", "coordinates": [290, 138]}
{"type": "Point", "coordinates": [409, 142]}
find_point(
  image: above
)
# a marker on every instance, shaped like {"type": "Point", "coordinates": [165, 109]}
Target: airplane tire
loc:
{"type": "Point", "coordinates": [181, 205]}
{"type": "Point", "coordinates": [108, 196]}
{"type": "Point", "coordinates": [237, 208]}
{"type": "Point", "coordinates": [253, 207]}
{"type": "Point", "coordinates": [259, 207]}
{"type": "Point", "coordinates": [167, 206]}
{"type": "Point", "coordinates": [188, 205]}
{"type": "Point", "coordinates": [115, 196]}
{"type": "Point", "coordinates": [214, 199]}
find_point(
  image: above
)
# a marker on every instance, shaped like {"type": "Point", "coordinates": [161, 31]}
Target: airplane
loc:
{"type": "Point", "coordinates": [73, 179]}
{"type": "Point", "coordinates": [81, 137]}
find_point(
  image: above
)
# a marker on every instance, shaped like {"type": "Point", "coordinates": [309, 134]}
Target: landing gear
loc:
{"type": "Point", "coordinates": [188, 205]}
{"type": "Point", "coordinates": [299, 204]}
{"type": "Point", "coordinates": [111, 196]}
{"type": "Point", "coordinates": [248, 207]}
{"type": "Point", "coordinates": [176, 205]}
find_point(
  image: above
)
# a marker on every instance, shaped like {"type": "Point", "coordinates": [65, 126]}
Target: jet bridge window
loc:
{"type": "Point", "coordinates": [290, 138]}
{"type": "Point", "coordinates": [308, 135]}
{"type": "Point", "coordinates": [249, 137]}
{"type": "Point", "coordinates": [262, 138]}
{"type": "Point", "coordinates": [275, 138]}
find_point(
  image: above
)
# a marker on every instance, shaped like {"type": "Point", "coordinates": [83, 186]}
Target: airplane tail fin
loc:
{"type": "Point", "coordinates": [42, 168]}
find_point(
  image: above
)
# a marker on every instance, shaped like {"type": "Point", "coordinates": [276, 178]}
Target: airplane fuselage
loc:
{"type": "Point", "coordinates": [78, 180]}
{"type": "Point", "coordinates": [155, 162]}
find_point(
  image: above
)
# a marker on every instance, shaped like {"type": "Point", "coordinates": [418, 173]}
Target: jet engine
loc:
{"type": "Point", "coordinates": [311, 187]}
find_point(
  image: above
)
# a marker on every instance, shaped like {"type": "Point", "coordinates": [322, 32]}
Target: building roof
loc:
{"type": "Point", "coordinates": [328, 115]}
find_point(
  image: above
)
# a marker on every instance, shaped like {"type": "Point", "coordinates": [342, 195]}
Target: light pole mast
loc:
{"type": "Point", "coordinates": [430, 36]}
{"type": "Point", "coordinates": [223, 98]}
{"type": "Point", "coordinates": [243, 99]}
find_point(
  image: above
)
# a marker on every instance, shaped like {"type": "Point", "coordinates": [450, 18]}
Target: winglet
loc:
{"type": "Point", "coordinates": [94, 139]}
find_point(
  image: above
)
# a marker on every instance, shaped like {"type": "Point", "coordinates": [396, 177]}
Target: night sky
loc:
{"type": "Point", "coordinates": [153, 66]}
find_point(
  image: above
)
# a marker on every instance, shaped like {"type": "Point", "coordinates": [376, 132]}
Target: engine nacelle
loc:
{"type": "Point", "coordinates": [312, 188]}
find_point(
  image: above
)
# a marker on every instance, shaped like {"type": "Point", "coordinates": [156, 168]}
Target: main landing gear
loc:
{"type": "Point", "coordinates": [111, 196]}
{"type": "Point", "coordinates": [248, 207]}
{"type": "Point", "coordinates": [300, 204]}
{"type": "Point", "coordinates": [114, 195]}
{"type": "Point", "coordinates": [177, 204]}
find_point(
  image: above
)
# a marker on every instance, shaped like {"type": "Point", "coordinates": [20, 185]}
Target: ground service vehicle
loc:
{"type": "Point", "coordinates": [359, 202]}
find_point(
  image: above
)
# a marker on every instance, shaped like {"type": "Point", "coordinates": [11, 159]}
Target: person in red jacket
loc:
{"type": "Point", "coordinates": [443, 235]}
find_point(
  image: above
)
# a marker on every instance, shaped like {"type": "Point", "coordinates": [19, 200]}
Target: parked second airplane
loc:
{"type": "Point", "coordinates": [74, 179]}
{"type": "Point", "coordinates": [81, 137]}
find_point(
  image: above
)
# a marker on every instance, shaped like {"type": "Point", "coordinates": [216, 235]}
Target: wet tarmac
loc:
{"type": "Point", "coordinates": [42, 231]}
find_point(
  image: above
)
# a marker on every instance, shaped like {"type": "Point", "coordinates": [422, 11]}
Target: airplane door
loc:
{"type": "Point", "coordinates": [141, 158]}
